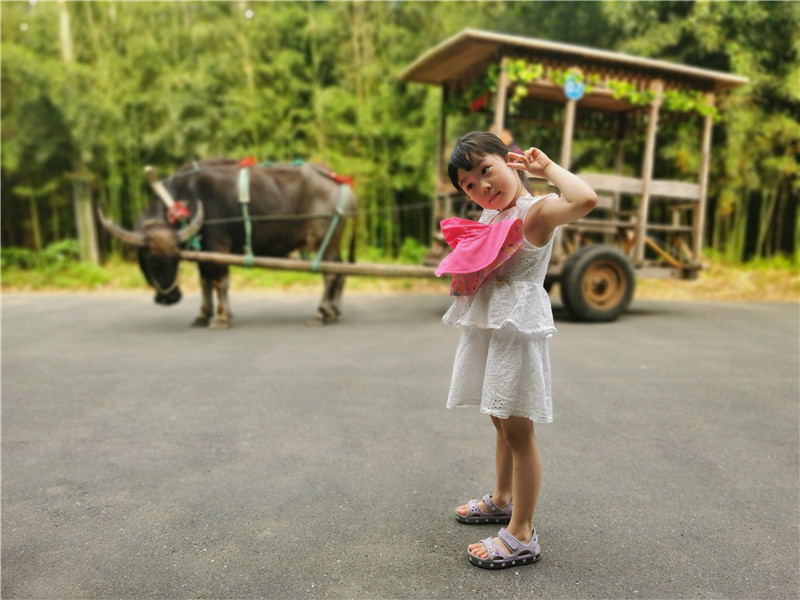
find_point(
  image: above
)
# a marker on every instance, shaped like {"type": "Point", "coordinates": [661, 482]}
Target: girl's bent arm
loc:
{"type": "Point", "coordinates": [576, 201]}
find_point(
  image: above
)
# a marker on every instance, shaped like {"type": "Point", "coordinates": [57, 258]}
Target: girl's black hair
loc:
{"type": "Point", "coordinates": [471, 148]}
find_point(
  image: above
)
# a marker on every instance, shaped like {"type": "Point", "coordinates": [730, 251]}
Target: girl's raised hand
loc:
{"type": "Point", "coordinates": [534, 161]}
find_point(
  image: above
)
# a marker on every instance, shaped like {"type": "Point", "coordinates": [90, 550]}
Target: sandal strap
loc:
{"type": "Point", "coordinates": [515, 546]}
{"type": "Point", "coordinates": [473, 510]}
{"type": "Point", "coordinates": [491, 507]}
{"type": "Point", "coordinates": [509, 540]}
{"type": "Point", "coordinates": [493, 549]}
{"type": "Point", "coordinates": [492, 510]}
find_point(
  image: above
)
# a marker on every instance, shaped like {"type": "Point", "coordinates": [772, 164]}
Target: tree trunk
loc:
{"type": "Point", "coordinates": [36, 230]}
{"type": "Point", "coordinates": [82, 202]}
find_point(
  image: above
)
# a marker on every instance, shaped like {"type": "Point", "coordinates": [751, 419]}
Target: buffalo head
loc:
{"type": "Point", "coordinates": [159, 247]}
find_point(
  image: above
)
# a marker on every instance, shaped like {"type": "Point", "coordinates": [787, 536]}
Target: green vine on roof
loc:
{"type": "Point", "coordinates": [627, 91]}
{"type": "Point", "coordinates": [691, 101]}
{"type": "Point", "coordinates": [520, 73]}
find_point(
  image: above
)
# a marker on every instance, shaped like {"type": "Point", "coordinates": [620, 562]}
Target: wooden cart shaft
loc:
{"type": "Point", "coordinates": [325, 267]}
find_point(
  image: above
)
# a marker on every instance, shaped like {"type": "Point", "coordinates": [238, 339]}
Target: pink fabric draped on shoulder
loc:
{"type": "Point", "coordinates": [478, 249]}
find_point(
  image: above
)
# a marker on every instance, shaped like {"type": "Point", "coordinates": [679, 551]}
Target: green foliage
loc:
{"type": "Point", "coordinates": [18, 258]}
{"type": "Point", "coordinates": [54, 256]}
{"type": "Point", "coordinates": [628, 91]}
{"type": "Point", "coordinates": [412, 252]}
{"type": "Point", "coordinates": [520, 73]}
{"type": "Point", "coordinates": [57, 266]}
{"type": "Point", "coordinates": [60, 253]}
{"type": "Point", "coordinates": [780, 262]}
{"type": "Point", "coordinates": [691, 101]}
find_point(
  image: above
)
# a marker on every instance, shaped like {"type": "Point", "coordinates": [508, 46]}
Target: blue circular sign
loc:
{"type": "Point", "coordinates": [573, 89]}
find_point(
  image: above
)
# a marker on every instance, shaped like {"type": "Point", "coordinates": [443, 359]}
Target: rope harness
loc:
{"type": "Point", "coordinates": [337, 217]}
{"type": "Point", "coordinates": [166, 291]}
{"type": "Point", "coordinates": [244, 202]}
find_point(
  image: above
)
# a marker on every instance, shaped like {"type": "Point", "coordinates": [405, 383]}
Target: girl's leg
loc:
{"type": "Point", "coordinates": [526, 480]}
{"type": "Point", "coordinates": [503, 492]}
{"type": "Point", "coordinates": [503, 474]}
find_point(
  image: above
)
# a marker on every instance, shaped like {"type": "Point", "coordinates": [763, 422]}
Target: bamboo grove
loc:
{"type": "Point", "coordinates": [94, 91]}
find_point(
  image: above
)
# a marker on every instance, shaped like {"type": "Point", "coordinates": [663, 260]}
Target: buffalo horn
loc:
{"type": "Point", "coordinates": [129, 237]}
{"type": "Point", "coordinates": [185, 234]}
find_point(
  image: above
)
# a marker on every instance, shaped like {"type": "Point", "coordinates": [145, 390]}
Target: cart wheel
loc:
{"type": "Point", "coordinates": [597, 283]}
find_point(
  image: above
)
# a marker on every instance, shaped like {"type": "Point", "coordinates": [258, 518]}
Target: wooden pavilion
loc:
{"type": "Point", "coordinates": [629, 92]}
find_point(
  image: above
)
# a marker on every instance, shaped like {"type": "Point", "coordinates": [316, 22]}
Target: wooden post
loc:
{"type": "Point", "coordinates": [566, 159]}
{"type": "Point", "coordinates": [440, 143]}
{"type": "Point", "coordinates": [619, 156]}
{"type": "Point", "coordinates": [698, 224]}
{"type": "Point", "coordinates": [500, 100]}
{"type": "Point", "coordinates": [569, 128]}
{"type": "Point", "coordinates": [657, 87]}
{"type": "Point", "coordinates": [441, 208]}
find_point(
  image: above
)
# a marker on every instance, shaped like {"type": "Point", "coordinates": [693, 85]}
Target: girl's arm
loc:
{"type": "Point", "coordinates": [576, 199]}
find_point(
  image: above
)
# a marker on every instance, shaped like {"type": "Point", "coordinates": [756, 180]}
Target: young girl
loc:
{"type": "Point", "coordinates": [502, 363]}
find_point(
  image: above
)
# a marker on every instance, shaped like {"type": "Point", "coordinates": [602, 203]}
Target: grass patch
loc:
{"type": "Point", "coordinates": [773, 280]}
{"type": "Point", "coordinates": [58, 268]}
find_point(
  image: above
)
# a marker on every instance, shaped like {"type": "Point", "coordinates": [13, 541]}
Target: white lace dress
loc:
{"type": "Point", "coordinates": [502, 363]}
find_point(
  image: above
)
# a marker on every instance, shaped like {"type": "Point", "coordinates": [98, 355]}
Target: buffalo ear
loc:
{"type": "Point", "coordinates": [133, 238]}
{"type": "Point", "coordinates": [188, 232]}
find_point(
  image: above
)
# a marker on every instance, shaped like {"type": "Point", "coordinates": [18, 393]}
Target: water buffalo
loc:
{"type": "Point", "coordinates": [290, 208]}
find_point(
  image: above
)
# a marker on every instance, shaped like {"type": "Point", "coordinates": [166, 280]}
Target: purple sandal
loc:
{"type": "Point", "coordinates": [521, 554]}
{"type": "Point", "coordinates": [494, 514]}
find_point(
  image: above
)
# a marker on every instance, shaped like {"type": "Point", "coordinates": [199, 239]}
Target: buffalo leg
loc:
{"type": "Point", "coordinates": [329, 308]}
{"type": "Point", "coordinates": [328, 311]}
{"type": "Point", "coordinates": [223, 318]}
{"type": "Point", "coordinates": [337, 287]}
{"type": "Point", "coordinates": [206, 303]}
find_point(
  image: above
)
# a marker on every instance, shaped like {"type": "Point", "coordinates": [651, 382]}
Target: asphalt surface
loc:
{"type": "Point", "coordinates": [142, 458]}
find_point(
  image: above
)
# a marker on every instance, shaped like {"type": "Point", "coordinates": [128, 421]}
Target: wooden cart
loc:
{"type": "Point", "coordinates": [642, 226]}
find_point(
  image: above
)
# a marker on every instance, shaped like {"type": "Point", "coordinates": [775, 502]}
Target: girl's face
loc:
{"type": "Point", "coordinates": [491, 184]}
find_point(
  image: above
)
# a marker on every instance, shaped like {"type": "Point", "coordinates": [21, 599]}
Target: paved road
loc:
{"type": "Point", "coordinates": [145, 459]}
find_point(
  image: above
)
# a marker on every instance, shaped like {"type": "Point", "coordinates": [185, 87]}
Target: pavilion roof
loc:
{"type": "Point", "coordinates": [461, 57]}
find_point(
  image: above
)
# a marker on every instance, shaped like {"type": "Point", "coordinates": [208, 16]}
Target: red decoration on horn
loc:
{"type": "Point", "coordinates": [178, 213]}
